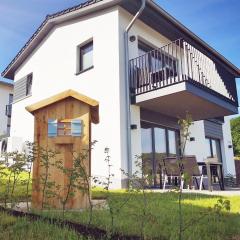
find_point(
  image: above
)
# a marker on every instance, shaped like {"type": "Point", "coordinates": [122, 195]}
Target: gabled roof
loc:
{"type": "Point", "coordinates": [49, 22]}
{"type": "Point", "coordinates": [91, 6]}
{"type": "Point", "coordinates": [63, 95]}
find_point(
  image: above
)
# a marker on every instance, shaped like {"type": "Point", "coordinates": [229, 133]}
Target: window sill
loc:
{"type": "Point", "coordinates": [85, 70]}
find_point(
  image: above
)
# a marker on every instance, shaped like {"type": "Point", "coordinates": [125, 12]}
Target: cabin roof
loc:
{"type": "Point", "coordinates": [66, 94]}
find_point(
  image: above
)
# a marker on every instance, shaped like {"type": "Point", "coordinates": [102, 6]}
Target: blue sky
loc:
{"type": "Point", "coordinates": [215, 21]}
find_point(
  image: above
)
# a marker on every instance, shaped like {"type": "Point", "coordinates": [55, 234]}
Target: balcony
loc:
{"type": "Point", "coordinates": [8, 110]}
{"type": "Point", "coordinates": [178, 78]}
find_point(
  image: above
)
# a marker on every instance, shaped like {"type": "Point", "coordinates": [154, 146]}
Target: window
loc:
{"type": "Point", "coordinates": [10, 98]}
{"type": "Point", "coordinates": [156, 60]}
{"type": "Point", "coordinates": [29, 85]}
{"type": "Point", "coordinates": [64, 127]}
{"type": "Point", "coordinates": [157, 142]}
{"type": "Point", "coordinates": [172, 143]}
{"type": "Point", "coordinates": [23, 88]}
{"type": "Point", "coordinates": [213, 148]}
{"type": "Point", "coordinates": [143, 48]}
{"type": "Point", "coordinates": [8, 109]}
{"type": "Point", "coordinates": [85, 60]}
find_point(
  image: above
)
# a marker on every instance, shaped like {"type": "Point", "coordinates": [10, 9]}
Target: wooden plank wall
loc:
{"type": "Point", "coordinates": [69, 108]}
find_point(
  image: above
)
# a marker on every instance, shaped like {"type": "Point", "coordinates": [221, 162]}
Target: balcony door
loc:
{"type": "Point", "coordinates": [157, 143]}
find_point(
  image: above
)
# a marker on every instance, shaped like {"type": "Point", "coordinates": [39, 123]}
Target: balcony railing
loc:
{"type": "Point", "coordinates": [8, 110]}
{"type": "Point", "coordinates": [175, 62]}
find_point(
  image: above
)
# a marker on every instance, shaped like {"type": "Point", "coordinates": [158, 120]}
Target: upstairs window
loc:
{"type": "Point", "coordinates": [143, 48]}
{"type": "Point", "coordinates": [64, 128]}
{"type": "Point", "coordinates": [85, 57]}
{"type": "Point", "coordinates": [156, 60]}
{"type": "Point", "coordinates": [10, 98]}
{"type": "Point", "coordinates": [8, 109]}
{"type": "Point", "coordinates": [29, 85]}
{"type": "Point", "coordinates": [23, 88]}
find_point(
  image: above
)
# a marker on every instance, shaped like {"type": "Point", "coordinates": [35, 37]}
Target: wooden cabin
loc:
{"type": "Point", "coordinates": [62, 124]}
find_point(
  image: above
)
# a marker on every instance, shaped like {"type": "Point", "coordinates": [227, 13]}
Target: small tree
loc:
{"type": "Point", "coordinates": [47, 160]}
{"type": "Point", "coordinates": [84, 176]}
{"type": "Point", "coordinates": [78, 180]}
{"type": "Point", "coordinates": [185, 124]}
{"type": "Point", "coordinates": [137, 185]}
{"type": "Point", "coordinates": [235, 128]}
{"type": "Point", "coordinates": [106, 183]}
{"type": "Point", "coordinates": [68, 191]}
{"type": "Point", "coordinates": [30, 154]}
{"type": "Point", "coordinates": [8, 176]}
{"type": "Point", "coordinates": [3, 175]}
{"type": "Point", "coordinates": [15, 171]}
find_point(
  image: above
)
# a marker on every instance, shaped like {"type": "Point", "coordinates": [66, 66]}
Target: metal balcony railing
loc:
{"type": "Point", "coordinates": [175, 62]}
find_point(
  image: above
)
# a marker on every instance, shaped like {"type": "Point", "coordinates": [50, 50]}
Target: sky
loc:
{"type": "Point", "coordinates": [215, 21]}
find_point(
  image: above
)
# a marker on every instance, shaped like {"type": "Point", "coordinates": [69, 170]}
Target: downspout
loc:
{"type": "Point", "coordinates": [127, 90]}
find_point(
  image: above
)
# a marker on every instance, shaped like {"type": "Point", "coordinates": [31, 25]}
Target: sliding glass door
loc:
{"type": "Point", "coordinates": [157, 143]}
{"type": "Point", "coordinates": [160, 152]}
{"type": "Point", "coordinates": [147, 154]}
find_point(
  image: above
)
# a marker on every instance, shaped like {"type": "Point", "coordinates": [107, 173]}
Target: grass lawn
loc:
{"type": "Point", "coordinates": [12, 228]}
{"type": "Point", "coordinates": [162, 216]}
{"type": "Point", "coordinates": [20, 190]}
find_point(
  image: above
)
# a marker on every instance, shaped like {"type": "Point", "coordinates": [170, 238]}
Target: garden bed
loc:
{"type": "Point", "coordinates": [83, 230]}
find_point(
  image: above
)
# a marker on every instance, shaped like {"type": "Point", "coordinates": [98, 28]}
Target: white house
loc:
{"type": "Point", "coordinates": [6, 98]}
{"type": "Point", "coordinates": [145, 74]}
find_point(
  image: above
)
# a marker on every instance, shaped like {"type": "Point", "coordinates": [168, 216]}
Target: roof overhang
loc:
{"type": "Point", "coordinates": [6, 83]}
{"type": "Point", "coordinates": [94, 105]}
{"type": "Point", "coordinates": [163, 22]}
{"type": "Point", "coordinates": [151, 13]}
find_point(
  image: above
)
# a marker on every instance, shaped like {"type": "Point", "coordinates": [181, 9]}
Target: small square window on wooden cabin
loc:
{"type": "Point", "coordinates": [64, 128]}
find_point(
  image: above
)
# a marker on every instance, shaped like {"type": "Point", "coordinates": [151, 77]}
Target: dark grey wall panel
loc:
{"type": "Point", "coordinates": [213, 129]}
{"type": "Point", "coordinates": [159, 118]}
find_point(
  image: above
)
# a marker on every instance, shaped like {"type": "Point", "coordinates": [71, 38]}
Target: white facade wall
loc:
{"type": "Point", "coordinates": [227, 149]}
{"type": "Point", "coordinates": [53, 65]}
{"type": "Point", "coordinates": [5, 90]}
{"type": "Point", "coordinates": [198, 146]}
{"type": "Point", "coordinates": [199, 149]}
{"type": "Point", "coordinates": [148, 35]}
